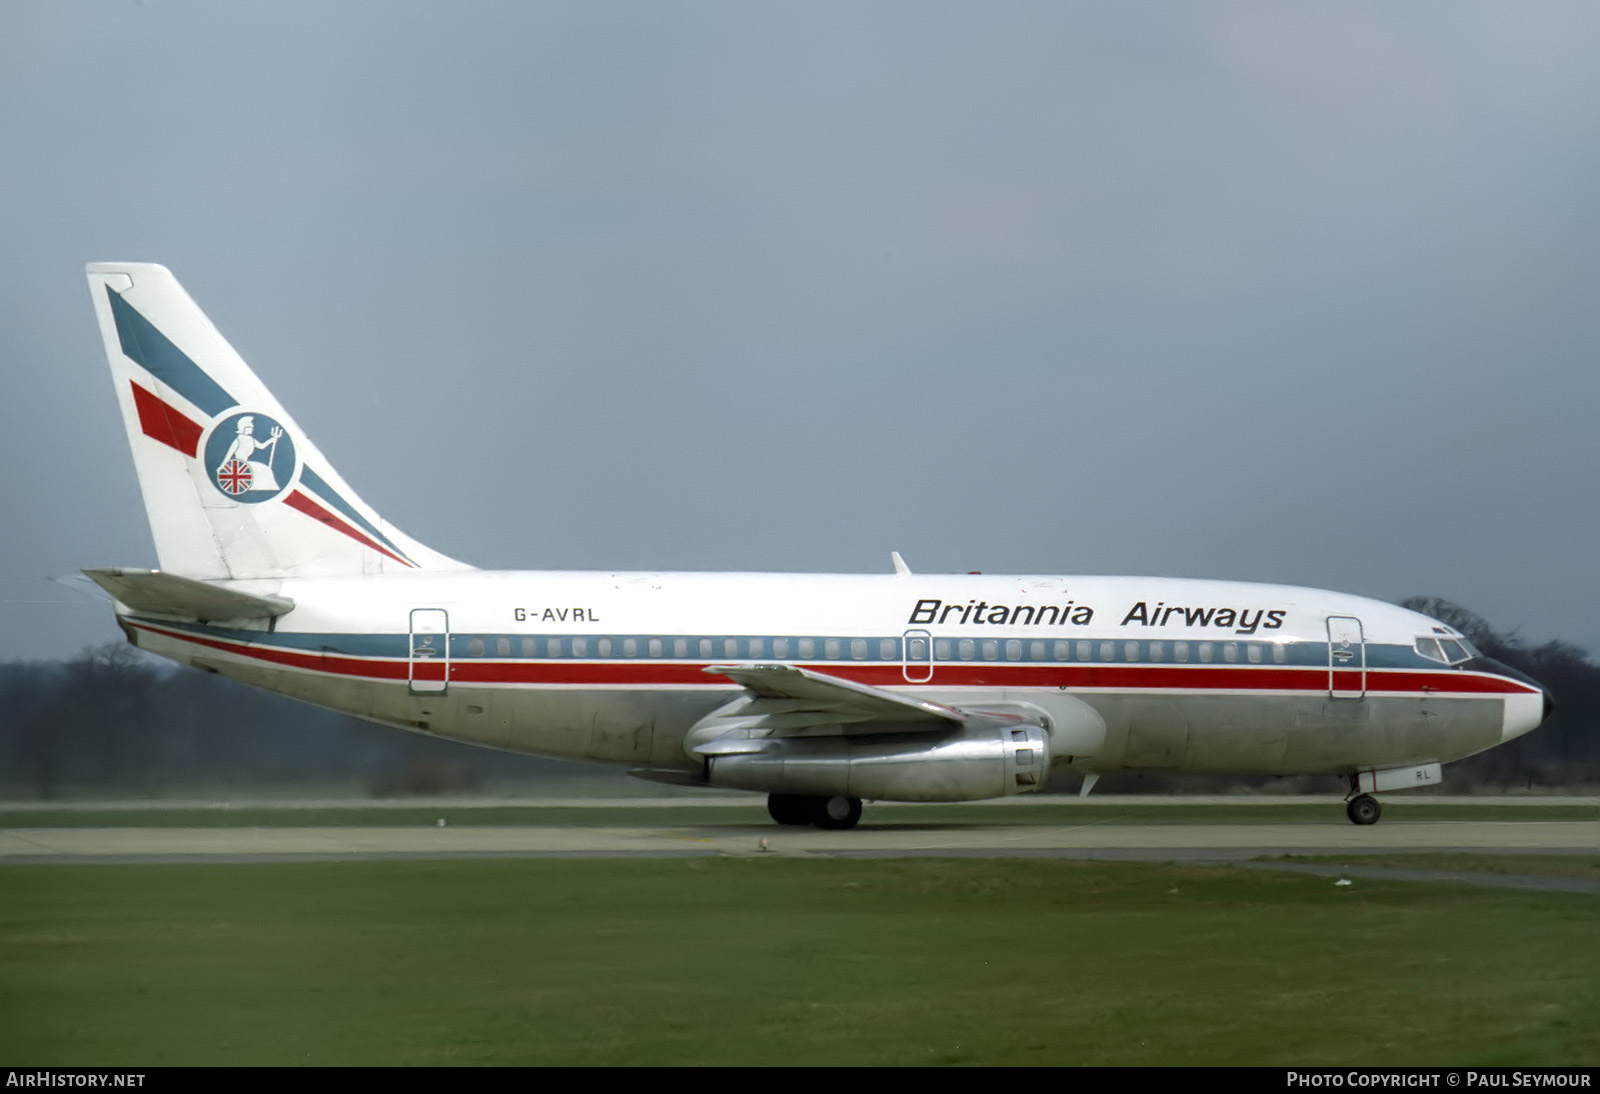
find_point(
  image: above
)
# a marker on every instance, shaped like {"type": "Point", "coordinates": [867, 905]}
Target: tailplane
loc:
{"type": "Point", "coordinates": [232, 485]}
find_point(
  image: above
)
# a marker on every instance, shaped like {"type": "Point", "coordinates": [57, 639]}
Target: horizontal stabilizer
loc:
{"type": "Point", "coordinates": [168, 594]}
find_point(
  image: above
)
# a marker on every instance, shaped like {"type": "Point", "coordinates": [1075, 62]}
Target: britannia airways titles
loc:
{"type": "Point", "coordinates": [1143, 614]}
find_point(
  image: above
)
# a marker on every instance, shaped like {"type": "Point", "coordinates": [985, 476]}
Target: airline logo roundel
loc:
{"type": "Point", "coordinates": [250, 458]}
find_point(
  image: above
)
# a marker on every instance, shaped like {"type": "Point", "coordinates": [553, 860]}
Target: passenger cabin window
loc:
{"type": "Point", "coordinates": [780, 647]}
{"type": "Point", "coordinates": [475, 648]}
{"type": "Point", "coordinates": [530, 647]}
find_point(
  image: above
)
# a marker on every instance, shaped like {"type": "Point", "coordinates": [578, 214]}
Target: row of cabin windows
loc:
{"type": "Point", "coordinates": [992, 649]}
{"type": "Point", "coordinates": [833, 649]}
{"type": "Point", "coordinates": [885, 649]}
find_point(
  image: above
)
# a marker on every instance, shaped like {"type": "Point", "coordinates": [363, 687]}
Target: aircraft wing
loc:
{"type": "Point", "coordinates": [789, 701]}
{"type": "Point", "coordinates": [168, 594]}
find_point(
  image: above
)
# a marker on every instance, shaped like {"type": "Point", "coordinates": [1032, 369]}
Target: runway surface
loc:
{"type": "Point", "coordinates": [1215, 842]}
{"type": "Point", "coordinates": [1096, 832]}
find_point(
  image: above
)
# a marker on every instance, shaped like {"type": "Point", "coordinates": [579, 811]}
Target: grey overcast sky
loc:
{"type": "Point", "coordinates": [1275, 291]}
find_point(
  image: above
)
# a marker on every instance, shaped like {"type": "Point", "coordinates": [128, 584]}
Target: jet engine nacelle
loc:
{"type": "Point", "coordinates": [986, 761]}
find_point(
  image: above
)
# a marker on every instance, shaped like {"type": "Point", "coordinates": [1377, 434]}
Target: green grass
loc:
{"type": "Point", "coordinates": [1536, 865]}
{"type": "Point", "coordinates": [1067, 812]}
{"type": "Point", "coordinates": [777, 961]}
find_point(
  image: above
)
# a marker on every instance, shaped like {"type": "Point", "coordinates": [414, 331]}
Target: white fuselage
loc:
{"type": "Point", "coordinates": [1124, 673]}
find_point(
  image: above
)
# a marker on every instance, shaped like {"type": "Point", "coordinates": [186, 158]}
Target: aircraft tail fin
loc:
{"type": "Point", "coordinates": [232, 486]}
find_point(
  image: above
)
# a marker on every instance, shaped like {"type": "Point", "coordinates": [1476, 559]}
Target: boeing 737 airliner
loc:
{"type": "Point", "coordinates": [819, 691]}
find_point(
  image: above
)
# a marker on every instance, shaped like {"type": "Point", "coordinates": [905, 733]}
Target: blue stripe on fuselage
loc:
{"type": "Point", "coordinates": [1300, 655]}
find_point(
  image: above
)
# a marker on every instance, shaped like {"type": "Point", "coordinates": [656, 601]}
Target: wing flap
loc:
{"type": "Point", "coordinates": [789, 701]}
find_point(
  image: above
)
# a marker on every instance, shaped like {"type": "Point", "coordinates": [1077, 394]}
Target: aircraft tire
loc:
{"type": "Point", "coordinates": [790, 808]}
{"type": "Point", "coordinates": [836, 813]}
{"type": "Point", "coordinates": [1363, 809]}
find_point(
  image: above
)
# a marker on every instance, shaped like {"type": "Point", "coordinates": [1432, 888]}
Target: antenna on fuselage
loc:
{"type": "Point", "coordinates": [900, 566]}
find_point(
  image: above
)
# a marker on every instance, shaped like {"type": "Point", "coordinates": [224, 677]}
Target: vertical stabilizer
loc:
{"type": "Point", "coordinates": [232, 485]}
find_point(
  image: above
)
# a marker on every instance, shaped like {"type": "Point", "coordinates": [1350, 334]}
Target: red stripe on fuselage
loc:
{"type": "Point", "coordinates": [165, 423]}
{"type": "Point", "coordinates": [338, 664]}
{"type": "Point", "coordinates": [1191, 679]}
{"type": "Point", "coordinates": [301, 501]}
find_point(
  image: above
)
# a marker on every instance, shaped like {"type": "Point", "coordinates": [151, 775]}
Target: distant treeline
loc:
{"type": "Point", "coordinates": [116, 720]}
{"type": "Point", "coordinates": [113, 719]}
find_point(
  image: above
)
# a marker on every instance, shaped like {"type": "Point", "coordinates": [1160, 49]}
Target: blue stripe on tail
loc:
{"type": "Point", "coordinates": [151, 349]}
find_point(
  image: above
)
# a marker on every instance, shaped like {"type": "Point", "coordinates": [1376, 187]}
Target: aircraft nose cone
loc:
{"type": "Point", "coordinates": [1524, 711]}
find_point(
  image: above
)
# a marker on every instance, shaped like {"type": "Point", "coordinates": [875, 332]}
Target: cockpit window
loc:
{"type": "Point", "coordinates": [1446, 651]}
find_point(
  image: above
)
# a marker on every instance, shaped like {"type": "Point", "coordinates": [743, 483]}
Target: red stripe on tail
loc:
{"type": "Point", "coordinates": [166, 424]}
{"type": "Point", "coordinates": [301, 501]}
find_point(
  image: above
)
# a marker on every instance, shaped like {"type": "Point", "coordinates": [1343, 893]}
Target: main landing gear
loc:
{"type": "Point", "coordinates": [824, 812]}
{"type": "Point", "coordinates": [1363, 809]}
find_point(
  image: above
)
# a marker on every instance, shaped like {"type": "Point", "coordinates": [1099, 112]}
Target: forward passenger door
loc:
{"type": "Point", "coordinates": [1347, 658]}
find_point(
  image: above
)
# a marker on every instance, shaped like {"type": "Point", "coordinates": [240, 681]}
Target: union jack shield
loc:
{"type": "Point", "coordinates": [234, 477]}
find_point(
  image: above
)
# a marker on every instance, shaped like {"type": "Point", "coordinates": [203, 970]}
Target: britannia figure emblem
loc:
{"type": "Point", "coordinates": [243, 465]}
